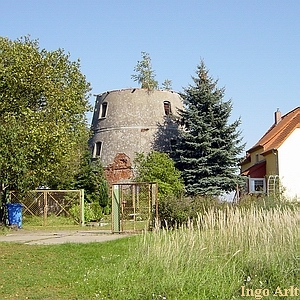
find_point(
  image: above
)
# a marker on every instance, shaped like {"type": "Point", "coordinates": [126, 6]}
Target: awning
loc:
{"type": "Point", "coordinates": [256, 171]}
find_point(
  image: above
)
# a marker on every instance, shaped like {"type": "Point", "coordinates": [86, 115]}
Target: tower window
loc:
{"type": "Point", "coordinates": [97, 149]}
{"type": "Point", "coordinates": [103, 110]}
{"type": "Point", "coordinates": [167, 108]}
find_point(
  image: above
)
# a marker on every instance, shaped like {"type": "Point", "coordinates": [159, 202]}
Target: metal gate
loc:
{"type": "Point", "coordinates": [134, 206]}
{"type": "Point", "coordinates": [44, 204]}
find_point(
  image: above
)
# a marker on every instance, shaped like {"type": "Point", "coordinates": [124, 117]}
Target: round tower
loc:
{"type": "Point", "coordinates": [132, 120]}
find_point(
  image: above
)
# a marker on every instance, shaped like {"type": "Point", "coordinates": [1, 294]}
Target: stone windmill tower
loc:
{"type": "Point", "coordinates": [132, 120]}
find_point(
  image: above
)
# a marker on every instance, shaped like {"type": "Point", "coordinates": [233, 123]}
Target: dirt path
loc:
{"type": "Point", "coordinates": [40, 237]}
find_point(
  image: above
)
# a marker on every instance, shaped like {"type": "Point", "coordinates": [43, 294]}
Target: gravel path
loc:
{"type": "Point", "coordinates": [59, 237]}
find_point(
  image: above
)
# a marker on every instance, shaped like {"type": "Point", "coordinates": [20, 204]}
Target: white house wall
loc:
{"type": "Point", "coordinates": [289, 165]}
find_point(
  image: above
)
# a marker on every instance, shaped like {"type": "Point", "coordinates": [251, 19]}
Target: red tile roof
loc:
{"type": "Point", "coordinates": [279, 132]}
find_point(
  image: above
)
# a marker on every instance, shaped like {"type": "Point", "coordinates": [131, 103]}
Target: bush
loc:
{"type": "Point", "coordinates": [159, 167]}
{"type": "Point", "coordinates": [176, 212]}
{"type": "Point", "coordinates": [266, 202]}
{"type": "Point", "coordinates": [92, 212]}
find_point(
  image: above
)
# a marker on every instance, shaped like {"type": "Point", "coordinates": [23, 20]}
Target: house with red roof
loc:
{"type": "Point", "coordinates": [274, 161]}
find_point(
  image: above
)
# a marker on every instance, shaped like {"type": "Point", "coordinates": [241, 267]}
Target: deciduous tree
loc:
{"type": "Point", "coordinates": [159, 167]}
{"type": "Point", "coordinates": [91, 178]}
{"type": "Point", "coordinates": [43, 105]}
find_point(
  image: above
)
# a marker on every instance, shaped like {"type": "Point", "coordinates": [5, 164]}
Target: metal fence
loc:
{"type": "Point", "coordinates": [134, 206]}
{"type": "Point", "coordinates": [67, 204]}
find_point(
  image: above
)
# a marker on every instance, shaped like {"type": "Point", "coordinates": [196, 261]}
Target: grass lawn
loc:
{"type": "Point", "coordinates": [67, 271]}
{"type": "Point", "coordinates": [212, 259]}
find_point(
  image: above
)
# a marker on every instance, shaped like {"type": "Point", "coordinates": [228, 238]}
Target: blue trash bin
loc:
{"type": "Point", "coordinates": [14, 212]}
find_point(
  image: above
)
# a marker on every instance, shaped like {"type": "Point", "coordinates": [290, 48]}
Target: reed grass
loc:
{"type": "Point", "coordinates": [225, 249]}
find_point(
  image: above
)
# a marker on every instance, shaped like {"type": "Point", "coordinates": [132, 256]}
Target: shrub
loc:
{"type": "Point", "coordinates": [92, 212]}
{"type": "Point", "coordinates": [175, 212]}
{"type": "Point", "coordinates": [159, 167]}
{"type": "Point", "coordinates": [266, 202]}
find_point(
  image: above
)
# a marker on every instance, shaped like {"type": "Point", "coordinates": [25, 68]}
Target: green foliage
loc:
{"type": "Point", "coordinates": [159, 167]}
{"type": "Point", "coordinates": [208, 147]}
{"type": "Point", "coordinates": [167, 85]}
{"type": "Point", "coordinates": [37, 222]}
{"type": "Point", "coordinates": [43, 103]}
{"type": "Point", "coordinates": [92, 212]}
{"type": "Point", "coordinates": [175, 212]}
{"type": "Point", "coordinates": [91, 178]}
{"type": "Point", "coordinates": [145, 75]}
{"type": "Point", "coordinates": [267, 202]}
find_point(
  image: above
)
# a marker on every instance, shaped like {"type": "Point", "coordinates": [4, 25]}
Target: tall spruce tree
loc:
{"type": "Point", "coordinates": [208, 146]}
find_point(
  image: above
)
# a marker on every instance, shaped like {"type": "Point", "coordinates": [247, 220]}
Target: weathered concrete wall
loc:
{"type": "Point", "coordinates": [135, 121]}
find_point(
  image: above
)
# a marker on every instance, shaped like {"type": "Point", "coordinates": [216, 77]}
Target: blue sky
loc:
{"type": "Point", "coordinates": [251, 46]}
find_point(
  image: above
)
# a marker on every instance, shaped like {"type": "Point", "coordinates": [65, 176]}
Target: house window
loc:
{"type": "Point", "coordinates": [257, 185]}
{"type": "Point", "coordinates": [103, 110]}
{"type": "Point", "coordinates": [97, 149]}
{"type": "Point", "coordinates": [167, 108]}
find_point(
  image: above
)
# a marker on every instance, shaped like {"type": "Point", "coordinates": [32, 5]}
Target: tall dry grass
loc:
{"type": "Point", "coordinates": [244, 229]}
{"type": "Point", "coordinates": [218, 253]}
{"type": "Point", "coordinates": [222, 250]}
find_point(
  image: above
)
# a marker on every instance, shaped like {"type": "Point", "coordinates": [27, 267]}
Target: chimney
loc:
{"type": "Point", "coordinates": [277, 116]}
